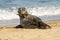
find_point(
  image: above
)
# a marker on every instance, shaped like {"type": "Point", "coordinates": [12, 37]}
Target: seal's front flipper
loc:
{"type": "Point", "coordinates": [19, 26]}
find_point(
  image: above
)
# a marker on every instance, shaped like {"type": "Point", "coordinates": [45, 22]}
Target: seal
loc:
{"type": "Point", "coordinates": [30, 21]}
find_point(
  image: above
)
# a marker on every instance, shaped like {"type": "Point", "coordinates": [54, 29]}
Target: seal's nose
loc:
{"type": "Point", "coordinates": [17, 14]}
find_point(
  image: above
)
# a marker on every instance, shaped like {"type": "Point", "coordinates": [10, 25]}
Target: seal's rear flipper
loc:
{"type": "Point", "coordinates": [42, 25]}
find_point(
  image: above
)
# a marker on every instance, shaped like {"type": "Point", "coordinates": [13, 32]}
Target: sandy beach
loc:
{"type": "Point", "coordinates": [7, 32]}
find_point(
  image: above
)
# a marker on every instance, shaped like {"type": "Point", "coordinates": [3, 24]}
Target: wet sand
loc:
{"type": "Point", "coordinates": [8, 32]}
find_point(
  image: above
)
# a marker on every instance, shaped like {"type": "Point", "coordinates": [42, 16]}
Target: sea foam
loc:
{"type": "Point", "coordinates": [42, 11]}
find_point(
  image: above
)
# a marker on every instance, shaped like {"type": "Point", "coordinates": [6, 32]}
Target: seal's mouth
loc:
{"type": "Point", "coordinates": [23, 15]}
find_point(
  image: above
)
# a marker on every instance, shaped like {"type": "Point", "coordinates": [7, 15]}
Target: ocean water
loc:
{"type": "Point", "coordinates": [45, 9]}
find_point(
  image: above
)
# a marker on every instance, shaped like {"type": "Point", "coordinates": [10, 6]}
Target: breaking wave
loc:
{"type": "Point", "coordinates": [11, 13]}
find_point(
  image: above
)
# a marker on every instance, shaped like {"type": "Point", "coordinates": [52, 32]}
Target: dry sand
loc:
{"type": "Point", "coordinates": [31, 34]}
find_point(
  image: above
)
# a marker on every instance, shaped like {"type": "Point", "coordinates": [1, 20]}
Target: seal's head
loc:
{"type": "Point", "coordinates": [22, 11]}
